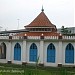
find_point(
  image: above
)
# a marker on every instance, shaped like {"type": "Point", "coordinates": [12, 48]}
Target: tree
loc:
{"type": "Point", "coordinates": [65, 30]}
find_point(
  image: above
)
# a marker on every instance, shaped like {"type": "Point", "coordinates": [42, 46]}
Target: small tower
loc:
{"type": "Point", "coordinates": [42, 9]}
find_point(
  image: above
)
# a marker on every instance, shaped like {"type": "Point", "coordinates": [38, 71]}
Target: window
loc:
{"type": "Point", "coordinates": [17, 52]}
{"type": "Point", "coordinates": [3, 51]}
{"type": "Point", "coordinates": [33, 53]}
{"type": "Point", "coordinates": [69, 53]}
{"type": "Point", "coordinates": [51, 53]}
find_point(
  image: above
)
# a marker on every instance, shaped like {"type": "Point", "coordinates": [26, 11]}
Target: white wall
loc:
{"type": "Point", "coordinates": [28, 48]}
{"type": "Point", "coordinates": [45, 53]}
{"type": "Point", "coordinates": [63, 53]}
{"type": "Point", "coordinates": [59, 46]}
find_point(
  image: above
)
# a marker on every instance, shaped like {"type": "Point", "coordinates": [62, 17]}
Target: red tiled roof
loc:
{"type": "Point", "coordinates": [41, 21]}
{"type": "Point", "coordinates": [39, 34]}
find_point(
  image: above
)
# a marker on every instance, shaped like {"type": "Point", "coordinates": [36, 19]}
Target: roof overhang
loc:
{"type": "Point", "coordinates": [14, 31]}
{"type": "Point", "coordinates": [39, 27]}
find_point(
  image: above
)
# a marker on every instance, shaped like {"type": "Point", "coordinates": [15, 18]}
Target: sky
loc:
{"type": "Point", "coordinates": [15, 14]}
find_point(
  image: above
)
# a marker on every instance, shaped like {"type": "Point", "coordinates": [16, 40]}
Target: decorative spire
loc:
{"type": "Point", "coordinates": [42, 8]}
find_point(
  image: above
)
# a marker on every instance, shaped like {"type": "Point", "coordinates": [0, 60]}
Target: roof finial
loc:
{"type": "Point", "coordinates": [42, 8]}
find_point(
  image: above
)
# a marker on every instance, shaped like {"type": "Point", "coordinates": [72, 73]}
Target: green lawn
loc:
{"type": "Point", "coordinates": [12, 69]}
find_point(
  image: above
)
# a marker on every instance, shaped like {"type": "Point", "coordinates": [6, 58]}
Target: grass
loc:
{"type": "Point", "coordinates": [13, 69]}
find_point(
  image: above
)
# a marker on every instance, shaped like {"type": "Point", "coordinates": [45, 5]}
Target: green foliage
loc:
{"type": "Point", "coordinates": [28, 70]}
{"type": "Point", "coordinates": [65, 30]}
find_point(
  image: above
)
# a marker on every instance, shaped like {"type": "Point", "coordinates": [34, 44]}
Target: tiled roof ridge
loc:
{"type": "Point", "coordinates": [40, 20]}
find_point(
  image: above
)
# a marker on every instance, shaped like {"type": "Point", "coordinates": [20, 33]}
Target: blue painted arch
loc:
{"type": "Point", "coordinates": [69, 53]}
{"type": "Point", "coordinates": [33, 53]}
{"type": "Point", "coordinates": [51, 53]}
{"type": "Point", "coordinates": [17, 52]}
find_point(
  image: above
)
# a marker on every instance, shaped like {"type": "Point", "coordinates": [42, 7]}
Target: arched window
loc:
{"type": "Point", "coordinates": [17, 52]}
{"type": "Point", "coordinates": [3, 51]}
{"type": "Point", "coordinates": [69, 53]}
{"type": "Point", "coordinates": [33, 53]}
{"type": "Point", "coordinates": [51, 53]}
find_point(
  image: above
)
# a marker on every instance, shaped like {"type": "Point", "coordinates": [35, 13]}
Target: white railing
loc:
{"type": "Point", "coordinates": [68, 37]}
{"type": "Point", "coordinates": [17, 37]}
{"type": "Point", "coordinates": [38, 37]}
{"type": "Point", "coordinates": [33, 37]}
{"type": "Point", "coordinates": [51, 37]}
{"type": "Point", "coordinates": [4, 37]}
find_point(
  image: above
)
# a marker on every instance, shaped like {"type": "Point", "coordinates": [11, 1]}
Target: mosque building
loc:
{"type": "Point", "coordinates": [39, 39]}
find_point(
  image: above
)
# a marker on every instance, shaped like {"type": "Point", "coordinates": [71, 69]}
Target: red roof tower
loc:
{"type": "Point", "coordinates": [41, 25]}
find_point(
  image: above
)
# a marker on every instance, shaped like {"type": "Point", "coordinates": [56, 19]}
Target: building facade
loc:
{"type": "Point", "coordinates": [40, 41]}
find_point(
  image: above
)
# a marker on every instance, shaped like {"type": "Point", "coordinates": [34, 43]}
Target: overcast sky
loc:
{"type": "Point", "coordinates": [59, 12]}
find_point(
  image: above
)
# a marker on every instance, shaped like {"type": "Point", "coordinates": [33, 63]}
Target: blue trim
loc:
{"type": "Point", "coordinates": [51, 53]}
{"type": "Point", "coordinates": [33, 53]}
{"type": "Point", "coordinates": [17, 52]}
{"type": "Point", "coordinates": [69, 54]}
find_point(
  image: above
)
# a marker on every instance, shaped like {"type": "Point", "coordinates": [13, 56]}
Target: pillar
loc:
{"type": "Point", "coordinates": [9, 54]}
{"type": "Point", "coordinates": [24, 61]}
{"type": "Point", "coordinates": [41, 52]}
{"type": "Point", "coordinates": [60, 56]}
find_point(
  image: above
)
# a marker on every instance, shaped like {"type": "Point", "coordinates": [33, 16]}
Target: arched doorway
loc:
{"type": "Point", "coordinates": [69, 53]}
{"type": "Point", "coordinates": [17, 52]}
{"type": "Point", "coordinates": [33, 53]}
{"type": "Point", "coordinates": [3, 51]}
{"type": "Point", "coordinates": [51, 53]}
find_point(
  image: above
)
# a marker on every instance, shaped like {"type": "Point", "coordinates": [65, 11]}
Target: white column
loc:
{"type": "Point", "coordinates": [24, 52]}
{"type": "Point", "coordinates": [60, 56]}
{"type": "Point", "coordinates": [41, 52]}
{"type": "Point", "coordinates": [9, 54]}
